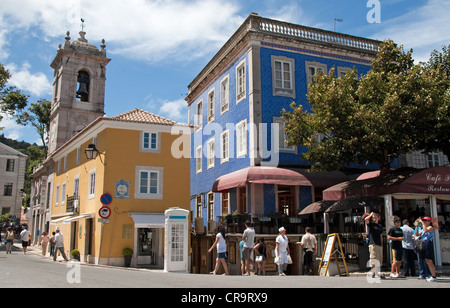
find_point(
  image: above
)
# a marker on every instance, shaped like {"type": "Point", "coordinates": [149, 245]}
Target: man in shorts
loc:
{"type": "Point", "coordinates": [375, 243]}
{"type": "Point", "coordinates": [395, 235]}
{"type": "Point", "coordinates": [249, 242]}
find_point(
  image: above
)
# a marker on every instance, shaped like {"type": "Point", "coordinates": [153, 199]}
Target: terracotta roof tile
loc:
{"type": "Point", "coordinates": [141, 116]}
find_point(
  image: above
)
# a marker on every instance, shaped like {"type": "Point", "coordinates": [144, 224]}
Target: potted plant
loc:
{"type": "Point", "coordinates": [75, 254]}
{"type": "Point", "coordinates": [127, 254]}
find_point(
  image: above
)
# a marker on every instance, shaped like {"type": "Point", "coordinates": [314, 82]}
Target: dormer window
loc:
{"type": "Point", "coordinates": [83, 86]}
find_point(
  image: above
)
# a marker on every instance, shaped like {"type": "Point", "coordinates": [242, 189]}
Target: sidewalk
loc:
{"type": "Point", "coordinates": [443, 271]}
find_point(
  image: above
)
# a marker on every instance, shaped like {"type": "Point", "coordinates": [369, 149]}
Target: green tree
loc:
{"type": "Point", "coordinates": [38, 115]}
{"type": "Point", "coordinates": [438, 137]}
{"type": "Point", "coordinates": [370, 119]}
{"type": "Point", "coordinates": [11, 99]}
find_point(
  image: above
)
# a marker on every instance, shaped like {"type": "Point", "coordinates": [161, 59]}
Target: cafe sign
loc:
{"type": "Point", "coordinates": [439, 183]}
{"type": "Point", "coordinates": [434, 181]}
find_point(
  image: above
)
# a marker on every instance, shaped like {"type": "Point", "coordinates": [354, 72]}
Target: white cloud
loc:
{"type": "Point", "coordinates": [15, 131]}
{"type": "Point", "coordinates": [142, 29]}
{"type": "Point", "coordinates": [423, 29]}
{"type": "Point", "coordinates": [174, 110]}
{"type": "Point", "coordinates": [21, 77]}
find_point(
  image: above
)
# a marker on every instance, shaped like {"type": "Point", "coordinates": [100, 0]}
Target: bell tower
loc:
{"type": "Point", "coordinates": [78, 89]}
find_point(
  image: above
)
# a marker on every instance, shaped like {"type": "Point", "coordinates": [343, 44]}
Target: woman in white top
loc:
{"type": "Point", "coordinates": [282, 251]}
{"type": "Point", "coordinates": [221, 244]}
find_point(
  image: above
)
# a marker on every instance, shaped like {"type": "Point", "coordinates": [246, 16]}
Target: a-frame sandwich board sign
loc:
{"type": "Point", "coordinates": [329, 251]}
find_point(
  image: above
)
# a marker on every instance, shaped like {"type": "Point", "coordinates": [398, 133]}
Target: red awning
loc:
{"type": "Point", "coordinates": [260, 175]}
{"type": "Point", "coordinates": [431, 181]}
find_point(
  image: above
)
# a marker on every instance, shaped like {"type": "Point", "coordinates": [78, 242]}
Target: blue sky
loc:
{"type": "Point", "coordinates": [158, 47]}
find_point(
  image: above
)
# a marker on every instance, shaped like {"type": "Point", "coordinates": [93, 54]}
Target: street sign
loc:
{"type": "Point", "coordinates": [106, 199]}
{"type": "Point", "coordinates": [104, 212]}
{"type": "Point", "coordinates": [103, 221]}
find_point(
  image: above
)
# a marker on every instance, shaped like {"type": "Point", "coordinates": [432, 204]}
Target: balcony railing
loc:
{"type": "Point", "coordinates": [303, 32]}
{"type": "Point", "coordinates": [72, 204]}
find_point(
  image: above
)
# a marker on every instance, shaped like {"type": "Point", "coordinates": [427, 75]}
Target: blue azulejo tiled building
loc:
{"type": "Point", "coordinates": [240, 163]}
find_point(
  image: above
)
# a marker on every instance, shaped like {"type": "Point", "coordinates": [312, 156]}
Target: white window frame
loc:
{"type": "Point", "coordinates": [92, 183]}
{"type": "Point", "coordinates": [225, 147]}
{"type": "Point", "coordinates": [150, 148]}
{"type": "Point", "coordinates": [198, 159]}
{"type": "Point", "coordinates": [211, 153]}
{"type": "Point", "coordinates": [159, 171]}
{"type": "Point", "coordinates": [65, 164]}
{"type": "Point", "coordinates": [63, 193]}
{"type": "Point", "coordinates": [210, 200]}
{"type": "Point", "coordinates": [316, 66]}
{"type": "Point", "coordinates": [57, 195]}
{"type": "Point", "coordinates": [211, 105]}
{"type": "Point", "coordinates": [76, 188]}
{"type": "Point", "coordinates": [282, 90]}
{"type": "Point", "coordinates": [282, 136]}
{"type": "Point", "coordinates": [78, 159]}
{"type": "Point", "coordinates": [241, 138]}
{"type": "Point", "coordinates": [224, 95]}
{"type": "Point", "coordinates": [342, 70]}
{"type": "Point", "coordinates": [241, 81]}
{"type": "Point", "coordinates": [199, 115]}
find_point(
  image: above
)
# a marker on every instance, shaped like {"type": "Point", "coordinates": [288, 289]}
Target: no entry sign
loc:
{"type": "Point", "coordinates": [106, 199]}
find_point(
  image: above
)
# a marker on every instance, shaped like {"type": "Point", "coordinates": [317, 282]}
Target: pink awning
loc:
{"type": "Point", "coordinates": [260, 175]}
{"type": "Point", "coordinates": [368, 175]}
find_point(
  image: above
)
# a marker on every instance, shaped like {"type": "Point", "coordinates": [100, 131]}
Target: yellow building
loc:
{"type": "Point", "coordinates": [136, 166]}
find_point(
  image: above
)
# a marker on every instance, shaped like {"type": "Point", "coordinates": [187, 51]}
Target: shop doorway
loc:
{"type": "Point", "coordinates": [286, 200]}
{"type": "Point", "coordinates": [149, 247]}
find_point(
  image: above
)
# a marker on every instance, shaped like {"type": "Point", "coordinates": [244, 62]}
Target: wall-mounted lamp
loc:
{"type": "Point", "coordinates": [91, 152]}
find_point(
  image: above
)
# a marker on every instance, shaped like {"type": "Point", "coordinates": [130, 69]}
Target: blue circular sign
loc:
{"type": "Point", "coordinates": [106, 199]}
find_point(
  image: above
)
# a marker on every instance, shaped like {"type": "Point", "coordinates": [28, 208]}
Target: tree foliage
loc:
{"type": "Point", "coordinates": [373, 118]}
{"type": "Point", "coordinates": [38, 115]}
{"type": "Point", "coordinates": [11, 99]}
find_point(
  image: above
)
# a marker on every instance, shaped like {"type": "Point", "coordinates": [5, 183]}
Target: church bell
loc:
{"type": "Point", "coordinates": [83, 90]}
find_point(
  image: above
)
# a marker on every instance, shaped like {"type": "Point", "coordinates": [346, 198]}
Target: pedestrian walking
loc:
{"type": "Point", "coordinates": [44, 239]}
{"type": "Point", "coordinates": [262, 256]}
{"type": "Point", "coordinates": [282, 251]}
{"type": "Point", "coordinates": [249, 242]}
{"type": "Point", "coordinates": [25, 237]}
{"type": "Point", "coordinates": [375, 243]}
{"type": "Point", "coordinates": [309, 244]}
{"type": "Point", "coordinates": [52, 244]}
{"type": "Point", "coordinates": [395, 235]}
{"type": "Point", "coordinates": [409, 266]}
{"type": "Point", "coordinates": [9, 239]}
{"type": "Point", "coordinates": [59, 245]}
{"type": "Point", "coordinates": [221, 245]}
